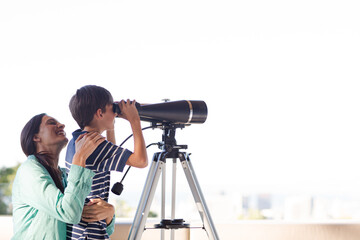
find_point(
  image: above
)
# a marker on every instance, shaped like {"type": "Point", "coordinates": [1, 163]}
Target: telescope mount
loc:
{"type": "Point", "coordinates": [171, 150]}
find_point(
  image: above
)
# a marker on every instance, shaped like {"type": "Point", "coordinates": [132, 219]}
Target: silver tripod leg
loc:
{"type": "Point", "coordinates": [173, 196]}
{"type": "Point", "coordinates": [198, 197]}
{"type": "Point", "coordinates": [163, 198]}
{"type": "Point", "coordinates": [147, 196]}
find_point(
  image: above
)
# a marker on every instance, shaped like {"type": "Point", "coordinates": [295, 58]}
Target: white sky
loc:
{"type": "Point", "coordinates": [280, 78]}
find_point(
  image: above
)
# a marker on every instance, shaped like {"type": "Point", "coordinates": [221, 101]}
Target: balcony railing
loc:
{"type": "Point", "coordinates": [247, 230]}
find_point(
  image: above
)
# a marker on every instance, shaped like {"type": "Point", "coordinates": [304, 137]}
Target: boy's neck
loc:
{"type": "Point", "coordinates": [93, 129]}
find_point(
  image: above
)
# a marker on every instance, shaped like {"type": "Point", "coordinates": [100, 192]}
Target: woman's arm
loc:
{"type": "Point", "coordinates": [98, 209]}
{"type": "Point", "coordinates": [39, 190]}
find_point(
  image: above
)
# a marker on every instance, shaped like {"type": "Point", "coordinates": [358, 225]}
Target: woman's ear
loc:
{"type": "Point", "coordinates": [36, 138]}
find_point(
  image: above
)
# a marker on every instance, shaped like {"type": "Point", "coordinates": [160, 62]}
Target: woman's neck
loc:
{"type": "Point", "coordinates": [52, 156]}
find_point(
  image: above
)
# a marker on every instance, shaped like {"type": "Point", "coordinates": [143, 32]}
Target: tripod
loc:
{"type": "Point", "coordinates": [170, 150]}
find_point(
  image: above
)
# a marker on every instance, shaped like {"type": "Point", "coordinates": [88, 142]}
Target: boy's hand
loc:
{"type": "Point", "coordinates": [129, 111]}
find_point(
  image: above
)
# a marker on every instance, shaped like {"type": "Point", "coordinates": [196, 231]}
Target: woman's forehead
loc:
{"type": "Point", "coordinates": [47, 118]}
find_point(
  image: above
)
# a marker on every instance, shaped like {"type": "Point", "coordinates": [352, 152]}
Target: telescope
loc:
{"type": "Point", "coordinates": [177, 112]}
{"type": "Point", "coordinates": [168, 116]}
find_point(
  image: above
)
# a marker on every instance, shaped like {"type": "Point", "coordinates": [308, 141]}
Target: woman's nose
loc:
{"type": "Point", "coordinates": [61, 126]}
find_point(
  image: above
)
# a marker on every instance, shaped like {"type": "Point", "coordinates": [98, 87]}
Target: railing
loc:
{"type": "Point", "coordinates": [247, 230]}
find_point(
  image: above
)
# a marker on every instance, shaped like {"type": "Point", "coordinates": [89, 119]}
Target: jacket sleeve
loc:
{"type": "Point", "coordinates": [111, 227]}
{"type": "Point", "coordinates": [40, 191]}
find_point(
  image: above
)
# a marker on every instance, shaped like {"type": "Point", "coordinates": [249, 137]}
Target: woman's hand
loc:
{"type": "Point", "coordinates": [85, 145]}
{"type": "Point", "coordinates": [98, 209]}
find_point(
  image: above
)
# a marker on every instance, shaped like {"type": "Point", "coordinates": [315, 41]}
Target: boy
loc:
{"type": "Point", "coordinates": [92, 109]}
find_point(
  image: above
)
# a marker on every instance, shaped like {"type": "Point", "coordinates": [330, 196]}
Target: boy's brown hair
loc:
{"type": "Point", "coordinates": [87, 100]}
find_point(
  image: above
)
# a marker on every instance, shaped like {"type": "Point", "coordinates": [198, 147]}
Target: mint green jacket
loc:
{"type": "Point", "coordinates": [40, 209]}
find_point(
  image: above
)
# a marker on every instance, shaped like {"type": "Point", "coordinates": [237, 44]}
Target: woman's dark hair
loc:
{"type": "Point", "coordinates": [28, 146]}
{"type": "Point", "coordinates": [87, 100]}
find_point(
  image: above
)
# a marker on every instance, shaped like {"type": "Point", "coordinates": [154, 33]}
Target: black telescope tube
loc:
{"type": "Point", "coordinates": [184, 111]}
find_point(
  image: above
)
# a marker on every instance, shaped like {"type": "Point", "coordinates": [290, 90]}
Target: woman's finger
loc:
{"type": "Point", "coordinates": [95, 137]}
{"type": "Point", "coordinates": [89, 219]}
{"type": "Point", "coordinates": [99, 139]}
{"type": "Point", "coordinates": [92, 135]}
{"type": "Point", "coordinates": [80, 137]}
{"type": "Point", "coordinates": [89, 211]}
{"type": "Point", "coordinates": [95, 200]}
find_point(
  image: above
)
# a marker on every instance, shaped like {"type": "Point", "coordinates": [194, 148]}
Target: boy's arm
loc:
{"type": "Point", "coordinates": [139, 157]}
{"type": "Point", "coordinates": [130, 113]}
{"type": "Point", "coordinates": [108, 157]}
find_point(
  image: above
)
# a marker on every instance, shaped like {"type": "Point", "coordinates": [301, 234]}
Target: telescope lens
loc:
{"type": "Point", "coordinates": [199, 111]}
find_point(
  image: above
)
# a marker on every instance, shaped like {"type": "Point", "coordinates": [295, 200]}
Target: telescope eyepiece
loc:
{"type": "Point", "coordinates": [116, 108]}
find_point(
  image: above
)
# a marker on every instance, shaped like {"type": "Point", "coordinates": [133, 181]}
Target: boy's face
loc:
{"type": "Point", "coordinates": [109, 117]}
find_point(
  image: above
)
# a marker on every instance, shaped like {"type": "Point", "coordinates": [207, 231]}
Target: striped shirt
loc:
{"type": "Point", "coordinates": [107, 157]}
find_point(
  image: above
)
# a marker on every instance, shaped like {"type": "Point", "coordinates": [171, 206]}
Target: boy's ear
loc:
{"type": "Point", "coordinates": [99, 113]}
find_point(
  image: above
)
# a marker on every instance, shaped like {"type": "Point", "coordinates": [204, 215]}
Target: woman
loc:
{"type": "Point", "coordinates": [44, 198]}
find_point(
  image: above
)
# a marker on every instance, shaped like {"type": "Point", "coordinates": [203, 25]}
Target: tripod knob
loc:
{"type": "Point", "coordinates": [117, 188]}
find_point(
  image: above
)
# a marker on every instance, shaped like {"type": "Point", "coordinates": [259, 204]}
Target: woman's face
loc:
{"type": "Point", "coordinates": [51, 133]}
